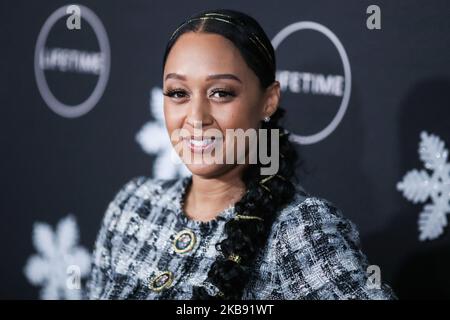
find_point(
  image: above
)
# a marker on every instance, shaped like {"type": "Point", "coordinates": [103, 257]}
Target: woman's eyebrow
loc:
{"type": "Point", "coordinates": [223, 76]}
{"type": "Point", "coordinates": [210, 77]}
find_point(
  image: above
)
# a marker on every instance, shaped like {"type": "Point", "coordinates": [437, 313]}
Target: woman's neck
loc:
{"type": "Point", "coordinates": [208, 197]}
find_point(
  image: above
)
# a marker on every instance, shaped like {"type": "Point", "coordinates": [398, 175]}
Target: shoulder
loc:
{"type": "Point", "coordinates": [315, 229]}
{"type": "Point", "coordinates": [142, 187]}
{"type": "Point", "coordinates": [130, 198]}
{"type": "Point", "coordinates": [318, 253]}
{"type": "Point", "coordinates": [312, 213]}
{"type": "Point", "coordinates": [128, 211]}
{"type": "Point", "coordinates": [311, 216]}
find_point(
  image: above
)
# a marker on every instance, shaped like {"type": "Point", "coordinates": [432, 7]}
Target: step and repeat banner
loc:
{"type": "Point", "coordinates": [366, 86]}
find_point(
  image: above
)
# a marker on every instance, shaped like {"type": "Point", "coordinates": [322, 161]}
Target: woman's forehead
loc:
{"type": "Point", "coordinates": [200, 55]}
{"type": "Point", "coordinates": [206, 48]}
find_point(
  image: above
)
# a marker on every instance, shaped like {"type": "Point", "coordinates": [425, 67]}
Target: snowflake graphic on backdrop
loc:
{"type": "Point", "coordinates": [60, 263]}
{"type": "Point", "coordinates": [418, 186]}
{"type": "Point", "coordinates": [154, 140]}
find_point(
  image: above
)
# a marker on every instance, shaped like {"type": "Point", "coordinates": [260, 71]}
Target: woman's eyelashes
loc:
{"type": "Point", "coordinates": [221, 94]}
{"type": "Point", "coordinates": [175, 93]}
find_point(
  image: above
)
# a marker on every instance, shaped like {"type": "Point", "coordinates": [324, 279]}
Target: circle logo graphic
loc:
{"type": "Point", "coordinates": [72, 63]}
{"type": "Point", "coordinates": [319, 84]}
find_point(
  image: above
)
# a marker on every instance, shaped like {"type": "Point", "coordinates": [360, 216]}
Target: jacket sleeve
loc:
{"type": "Point", "coordinates": [318, 256]}
{"type": "Point", "coordinates": [101, 257]}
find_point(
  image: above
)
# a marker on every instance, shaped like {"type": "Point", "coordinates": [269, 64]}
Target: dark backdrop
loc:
{"type": "Point", "coordinates": [54, 165]}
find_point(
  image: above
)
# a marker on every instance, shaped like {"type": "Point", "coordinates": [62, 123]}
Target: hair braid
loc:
{"type": "Point", "coordinates": [245, 238]}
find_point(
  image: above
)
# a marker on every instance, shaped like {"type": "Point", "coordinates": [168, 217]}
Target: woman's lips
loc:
{"type": "Point", "coordinates": [199, 144]}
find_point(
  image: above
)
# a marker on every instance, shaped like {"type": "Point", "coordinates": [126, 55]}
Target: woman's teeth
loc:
{"type": "Point", "coordinates": [201, 143]}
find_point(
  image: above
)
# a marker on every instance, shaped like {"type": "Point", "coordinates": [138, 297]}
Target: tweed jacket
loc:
{"type": "Point", "coordinates": [147, 248]}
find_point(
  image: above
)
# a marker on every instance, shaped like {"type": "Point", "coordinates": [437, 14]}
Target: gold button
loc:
{"type": "Point", "coordinates": [161, 281]}
{"type": "Point", "coordinates": [184, 241]}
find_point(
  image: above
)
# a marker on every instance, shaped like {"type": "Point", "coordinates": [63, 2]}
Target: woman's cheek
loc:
{"type": "Point", "coordinates": [238, 118]}
{"type": "Point", "coordinates": [172, 120]}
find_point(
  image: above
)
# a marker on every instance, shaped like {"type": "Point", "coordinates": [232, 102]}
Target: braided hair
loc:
{"type": "Point", "coordinates": [265, 195]}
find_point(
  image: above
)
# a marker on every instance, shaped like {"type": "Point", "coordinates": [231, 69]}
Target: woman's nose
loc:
{"type": "Point", "coordinates": [199, 114]}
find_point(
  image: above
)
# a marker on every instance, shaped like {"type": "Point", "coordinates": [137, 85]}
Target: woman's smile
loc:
{"type": "Point", "coordinates": [199, 144]}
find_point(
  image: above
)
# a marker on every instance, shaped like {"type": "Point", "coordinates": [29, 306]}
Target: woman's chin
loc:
{"type": "Point", "coordinates": [206, 170]}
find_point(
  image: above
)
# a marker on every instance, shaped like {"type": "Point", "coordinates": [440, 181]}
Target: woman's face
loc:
{"type": "Point", "coordinates": [208, 88]}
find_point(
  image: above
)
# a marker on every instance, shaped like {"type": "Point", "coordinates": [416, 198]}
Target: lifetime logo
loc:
{"type": "Point", "coordinates": [76, 61]}
{"type": "Point", "coordinates": [316, 83]}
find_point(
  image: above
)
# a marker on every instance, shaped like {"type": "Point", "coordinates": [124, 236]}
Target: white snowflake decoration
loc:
{"type": "Point", "coordinates": [418, 186]}
{"type": "Point", "coordinates": [154, 140]}
{"type": "Point", "coordinates": [60, 263]}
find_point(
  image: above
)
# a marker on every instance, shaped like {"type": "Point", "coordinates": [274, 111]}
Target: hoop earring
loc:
{"type": "Point", "coordinates": [266, 119]}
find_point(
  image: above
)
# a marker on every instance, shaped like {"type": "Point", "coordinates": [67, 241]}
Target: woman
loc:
{"type": "Point", "coordinates": [228, 231]}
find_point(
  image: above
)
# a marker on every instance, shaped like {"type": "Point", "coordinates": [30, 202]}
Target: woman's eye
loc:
{"type": "Point", "coordinates": [177, 94]}
{"type": "Point", "coordinates": [222, 93]}
{"type": "Point", "coordinates": [181, 94]}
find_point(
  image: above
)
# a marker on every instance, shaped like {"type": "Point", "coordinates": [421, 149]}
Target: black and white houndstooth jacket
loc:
{"type": "Point", "coordinates": [147, 248]}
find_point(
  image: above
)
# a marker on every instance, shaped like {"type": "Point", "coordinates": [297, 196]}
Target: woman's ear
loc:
{"type": "Point", "coordinates": [272, 99]}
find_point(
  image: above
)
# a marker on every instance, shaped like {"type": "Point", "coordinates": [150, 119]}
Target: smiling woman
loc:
{"type": "Point", "coordinates": [226, 231]}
